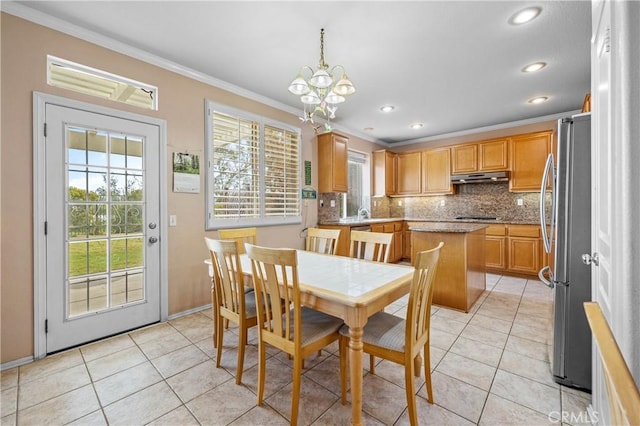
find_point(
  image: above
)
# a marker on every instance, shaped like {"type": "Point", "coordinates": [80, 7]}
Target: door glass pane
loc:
{"type": "Point", "coordinates": [105, 221]}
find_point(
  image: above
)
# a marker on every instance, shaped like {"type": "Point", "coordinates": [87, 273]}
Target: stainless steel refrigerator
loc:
{"type": "Point", "coordinates": [568, 237]}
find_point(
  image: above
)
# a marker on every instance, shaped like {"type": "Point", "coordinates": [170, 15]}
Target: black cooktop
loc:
{"type": "Point", "coordinates": [476, 218]}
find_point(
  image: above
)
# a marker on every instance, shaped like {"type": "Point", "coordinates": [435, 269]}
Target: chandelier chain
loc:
{"type": "Point", "coordinates": [323, 65]}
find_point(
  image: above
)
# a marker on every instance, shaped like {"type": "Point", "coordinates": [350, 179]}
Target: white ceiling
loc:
{"type": "Point", "coordinates": [451, 65]}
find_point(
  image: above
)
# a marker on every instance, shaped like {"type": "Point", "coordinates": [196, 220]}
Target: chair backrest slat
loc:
{"type": "Point", "coordinates": [375, 246]}
{"type": "Point", "coordinates": [420, 297]}
{"type": "Point", "coordinates": [240, 236]}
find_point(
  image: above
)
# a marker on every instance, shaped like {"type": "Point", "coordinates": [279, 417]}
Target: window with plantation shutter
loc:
{"type": "Point", "coordinates": [253, 175]}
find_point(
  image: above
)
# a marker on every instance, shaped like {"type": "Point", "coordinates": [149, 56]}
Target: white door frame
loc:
{"type": "Point", "coordinates": [40, 100]}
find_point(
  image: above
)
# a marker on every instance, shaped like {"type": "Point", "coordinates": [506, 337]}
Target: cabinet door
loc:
{"type": "Point", "coordinates": [528, 155]}
{"type": "Point", "coordinates": [464, 158]}
{"type": "Point", "coordinates": [493, 155]}
{"type": "Point", "coordinates": [384, 173]}
{"type": "Point", "coordinates": [524, 255]}
{"type": "Point", "coordinates": [398, 245]}
{"type": "Point", "coordinates": [436, 171]}
{"type": "Point", "coordinates": [495, 252]}
{"type": "Point", "coordinates": [332, 163]}
{"type": "Point", "coordinates": [408, 175]}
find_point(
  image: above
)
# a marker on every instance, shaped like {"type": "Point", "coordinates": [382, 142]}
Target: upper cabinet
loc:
{"type": "Point", "coordinates": [528, 156]}
{"type": "Point", "coordinates": [488, 156]}
{"type": "Point", "coordinates": [436, 171]}
{"type": "Point", "coordinates": [464, 158]}
{"type": "Point", "coordinates": [409, 174]}
{"type": "Point", "coordinates": [384, 172]}
{"type": "Point", "coordinates": [493, 155]}
{"type": "Point", "coordinates": [332, 162]}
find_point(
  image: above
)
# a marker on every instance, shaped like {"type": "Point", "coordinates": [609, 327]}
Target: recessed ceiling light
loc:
{"type": "Point", "coordinates": [368, 129]}
{"type": "Point", "coordinates": [538, 100]}
{"type": "Point", "coordinates": [387, 108]}
{"type": "Point", "coordinates": [416, 126]}
{"type": "Point", "coordinates": [537, 66]}
{"type": "Point", "coordinates": [525, 15]}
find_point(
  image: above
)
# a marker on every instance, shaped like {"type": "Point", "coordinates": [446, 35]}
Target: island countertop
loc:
{"type": "Point", "coordinates": [447, 227]}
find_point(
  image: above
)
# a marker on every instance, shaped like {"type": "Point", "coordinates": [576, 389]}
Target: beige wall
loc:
{"type": "Point", "coordinates": [25, 47]}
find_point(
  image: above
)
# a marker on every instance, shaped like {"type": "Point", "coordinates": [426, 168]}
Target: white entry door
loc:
{"type": "Point", "coordinates": [102, 225]}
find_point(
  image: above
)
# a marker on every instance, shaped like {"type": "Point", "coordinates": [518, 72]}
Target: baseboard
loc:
{"type": "Point", "coordinates": [16, 363]}
{"type": "Point", "coordinates": [188, 312]}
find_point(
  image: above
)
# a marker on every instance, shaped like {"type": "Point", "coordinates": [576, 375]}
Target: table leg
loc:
{"type": "Point", "coordinates": [355, 374]}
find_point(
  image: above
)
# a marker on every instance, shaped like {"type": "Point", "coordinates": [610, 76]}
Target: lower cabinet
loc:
{"type": "Point", "coordinates": [513, 249]}
{"type": "Point", "coordinates": [397, 244]}
{"type": "Point", "coordinates": [496, 247]}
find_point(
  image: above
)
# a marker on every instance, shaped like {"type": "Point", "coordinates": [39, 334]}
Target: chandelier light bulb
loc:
{"type": "Point", "coordinates": [311, 98]}
{"type": "Point", "coordinates": [299, 86]}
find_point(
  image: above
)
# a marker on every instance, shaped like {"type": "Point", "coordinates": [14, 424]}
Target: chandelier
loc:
{"type": "Point", "coordinates": [323, 90]}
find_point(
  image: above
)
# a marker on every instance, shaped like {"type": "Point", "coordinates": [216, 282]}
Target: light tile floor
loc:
{"type": "Point", "coordinates": [490, 367]}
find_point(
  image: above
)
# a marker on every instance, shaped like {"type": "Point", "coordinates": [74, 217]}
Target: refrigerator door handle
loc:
{"type": "Point", "coordinates": [543, 278]}
{"type": "Point", "coordinates": [548, 170]}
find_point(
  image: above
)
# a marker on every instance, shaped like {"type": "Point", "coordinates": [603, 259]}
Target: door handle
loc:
{"type": "Point", "coordinates": [153, 240]}
{"type": "Point", "coordinates": [588, 259]}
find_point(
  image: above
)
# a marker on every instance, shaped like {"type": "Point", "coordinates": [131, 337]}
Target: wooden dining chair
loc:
{"type": "Point", "coordinates": [395, 339]}
{"type": "Point", "coordinates": [240, 236]}
{"type": "Point", "coordinates": [230, 299]}
{"type": "Point", "coordinates": [323, 240]}
{"type": "Point", "coordinates": [300, 331]}
{"type": "Point", "coordinates": [367, 245]}
{"type": "Point", "coordinates": [622, 392]}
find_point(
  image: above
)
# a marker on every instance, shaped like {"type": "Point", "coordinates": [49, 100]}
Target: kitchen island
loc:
{"type": "Point", "coordinates": [460, 279]}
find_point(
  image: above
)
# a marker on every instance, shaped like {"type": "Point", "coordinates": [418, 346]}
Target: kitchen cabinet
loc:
{"type": "Point", "coordinates": [496, 247]}
{"type": "Point", "coordinates": [332, 162]}
{"type": "Point", "coordinates": [436, 172]}
{"type": "Point", "coordinates": [409, 174]}
{"type": "Point", "coordinates": [515, 249]}
{"type": "Point", "coordinates": [528, 154]}
{"type": "Point", "coordinates": [384, 172]}
{"type": "Point", "coordinates": [464, 158]}
{"type": "Point", "coordinates": [486, 156]}
{"type": "Point", "coordinates": [397, 245]}
{"type": "Point", "coordinates": [493, 155]}
{"type": "Point", "coordinates": [524, 248]}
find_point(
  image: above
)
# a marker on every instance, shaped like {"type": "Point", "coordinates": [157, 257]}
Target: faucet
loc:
{"type": "Point", "coordinates": [363, 213]}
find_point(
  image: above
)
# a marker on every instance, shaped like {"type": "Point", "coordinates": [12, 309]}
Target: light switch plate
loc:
{"type": "Point", "coordinates": [173, 220]}
{"type": "Point", "coordinates": [520, 202]}
{"type": "Point", "coordinates": [333, 203]}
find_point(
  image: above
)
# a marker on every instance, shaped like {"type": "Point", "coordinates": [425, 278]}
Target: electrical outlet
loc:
{"type": "Point", "coordinates": [375, 204]}
{"type": "Point", "coordinates": [332, 203]}
{"type": "Point", "coordinates": [520, 202]}
{"type": "Point", "coordinates": [442, 203]}
{"type": "Point", "coordinates": [321, 203]}
{"type": "Point", "coordinates": [400, 203]}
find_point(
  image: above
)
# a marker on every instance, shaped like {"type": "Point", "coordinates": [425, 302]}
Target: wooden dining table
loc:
{"type": "Point", "coordinates": [352, 290]}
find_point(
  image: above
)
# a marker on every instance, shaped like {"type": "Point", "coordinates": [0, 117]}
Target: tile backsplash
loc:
{"type": "Point", "coordinates": [479, 199]}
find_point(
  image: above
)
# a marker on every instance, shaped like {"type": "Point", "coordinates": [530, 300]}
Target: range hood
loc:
{"type": "Point", "coordinates": [487, 177]}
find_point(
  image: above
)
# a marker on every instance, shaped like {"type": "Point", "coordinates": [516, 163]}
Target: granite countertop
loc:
{"type": "Point", "coordinates": [360, 222]}
{"type": "Point", "coordinates": [447, 227]}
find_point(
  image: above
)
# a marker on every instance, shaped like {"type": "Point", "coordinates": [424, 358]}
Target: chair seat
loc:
{"type": "Point", "coordinates": [384, 330]}
{"type": "Point", "coordinates": [316, 325]}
